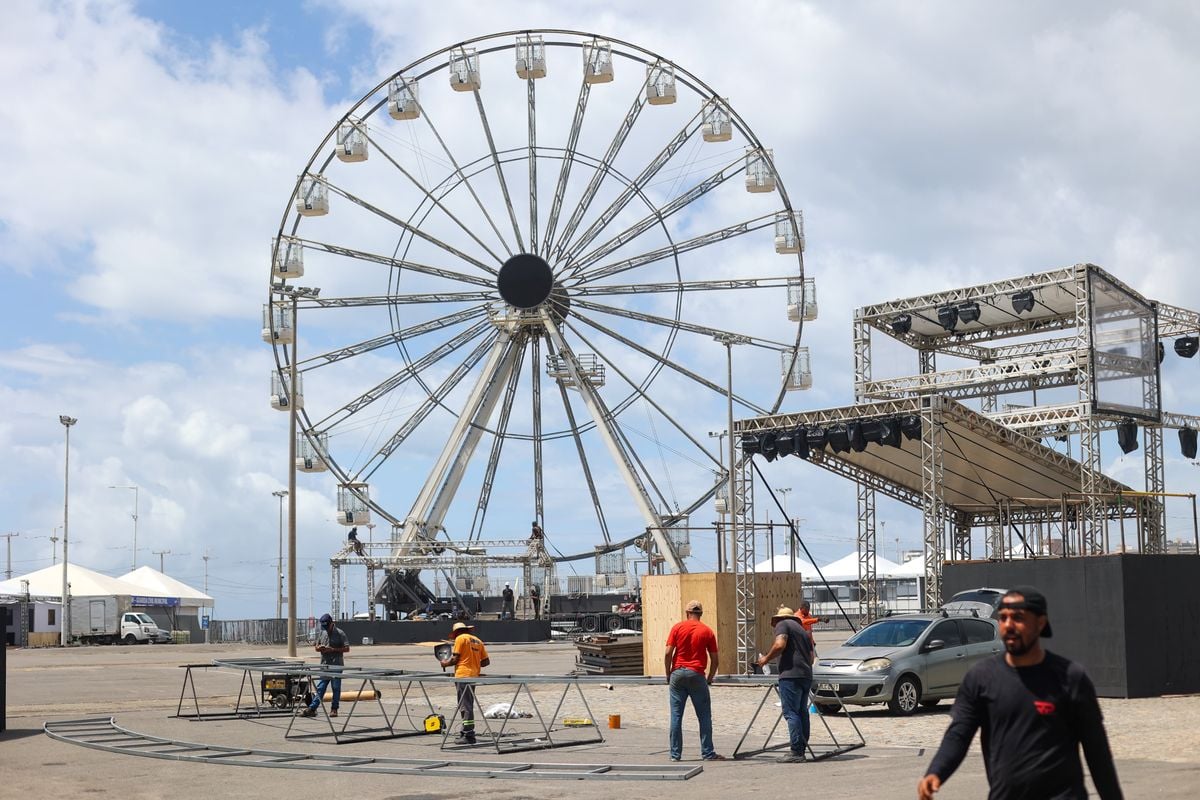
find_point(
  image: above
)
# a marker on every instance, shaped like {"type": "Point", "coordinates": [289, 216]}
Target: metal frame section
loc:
{"type": "Point", "coordinates": [868, 586]}
{"type": "Point", "coordinates": [933, 500]}
{"type": "Point", "coordinates": [742, 518]}
{"type": "Point", "coordinates": [862, 356]}
{"type": "Point", "coordinates": [816, 752]}
{"type": "Point", "coordinates": [103, 733]}
{"type": "Point", "coordinates": [1153, 512]}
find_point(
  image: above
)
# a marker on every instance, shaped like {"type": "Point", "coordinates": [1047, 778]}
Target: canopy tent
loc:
{"type": "Point", "coordinates": [157, 584]}
{"type": "Point", "coordinates": [47, 583]}
{"type": "Point", "coordinates": [913, 568]}
{"type": "Point", "coordinates": [783, 563]}
{"type": "Point", "coordinates": [846, 568]}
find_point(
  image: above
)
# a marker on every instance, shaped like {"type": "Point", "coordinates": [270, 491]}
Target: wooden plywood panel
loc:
{"type": "Point", "coordinates": [661, 608]}
{"type": "Point", "coordinates": [772, 590]}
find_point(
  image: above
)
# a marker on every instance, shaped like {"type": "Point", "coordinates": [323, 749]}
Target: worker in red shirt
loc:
{"type": "Point", "coordinates": [691, 646]}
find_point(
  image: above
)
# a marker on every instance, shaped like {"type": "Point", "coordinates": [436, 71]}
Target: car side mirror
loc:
{"type": "Point", "coordinates": [935, 644]}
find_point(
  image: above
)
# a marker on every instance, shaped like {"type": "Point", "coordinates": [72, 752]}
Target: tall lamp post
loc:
{"type": "Point", "coordinates": [729, 340]}
{"type": "Point", "coordinates": [135, 519]}
{"type": "Point", "coordinates": [65, 622]}
{"type": "Point", "coordinates": [720, 437]}
{"type": "Point", "coordinates": [294, 293]}
{"type": "Point", "coordinates": [282, 493]}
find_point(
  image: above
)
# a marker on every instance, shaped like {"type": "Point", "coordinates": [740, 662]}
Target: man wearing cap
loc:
{"type": "Point", "coordinates": [468, 657]}
{"type": "Point", "coordinates": [691, 645]}
{"type": "Point", "coordinates": [1035, 708]}
{"type": "Point", "coordinates": [794, 647]}
{"type": "Point", "coordinates": [331, 644]}
{"type": "Point", "coordinates": [508, 609]}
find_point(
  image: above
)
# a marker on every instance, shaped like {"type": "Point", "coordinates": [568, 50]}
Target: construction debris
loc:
{"type": "Point", "coordinates": [606, 655]}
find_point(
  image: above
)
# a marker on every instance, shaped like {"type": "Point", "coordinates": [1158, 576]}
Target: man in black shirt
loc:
{"type": "Point", "coordinates": [1035, 709]}
{"type": "Point", "coordinates": [793, 645]}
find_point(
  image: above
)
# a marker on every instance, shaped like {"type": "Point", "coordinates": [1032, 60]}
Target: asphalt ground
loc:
{"type": "Point", "coordinates": [141, 686]}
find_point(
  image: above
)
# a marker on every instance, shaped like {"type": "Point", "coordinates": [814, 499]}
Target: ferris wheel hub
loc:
{"type": "Point", "coordinates": [525, 281]}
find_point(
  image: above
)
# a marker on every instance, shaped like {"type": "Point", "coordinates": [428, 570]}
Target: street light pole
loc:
{"type": "Point", "coordinates": [65, 622]}
{"type": "Point", "coordinates": [787, 521]}
{"type": "Point", "coordinates": [135, 520]}
{"type": "Point", "coordinates": [8, 563]}
{"type": "Point", "coordinates": [720, 437]}
{"type": "Point", "coordinates": [729, 340]}
{"type": "Point", "coordinates": [282, 493]}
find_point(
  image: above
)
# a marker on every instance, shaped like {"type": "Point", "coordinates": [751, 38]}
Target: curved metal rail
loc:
{"type": "Point", "coordinates": [103, 733]}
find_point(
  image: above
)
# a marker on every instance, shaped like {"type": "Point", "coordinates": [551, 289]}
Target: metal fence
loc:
{"type": "Point", "coordinates": [256, 631]}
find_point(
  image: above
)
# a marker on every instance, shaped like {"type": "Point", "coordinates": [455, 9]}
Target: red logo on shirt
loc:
{"type": "Point", "coordinates": [1044, 707]}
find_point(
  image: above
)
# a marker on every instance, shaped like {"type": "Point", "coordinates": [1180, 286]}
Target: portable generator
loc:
{"type": "Point", "coordinates": [285, 691]}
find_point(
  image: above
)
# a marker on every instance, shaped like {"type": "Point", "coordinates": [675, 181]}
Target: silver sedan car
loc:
{"type": "Point", "coordinates": [905, 661]}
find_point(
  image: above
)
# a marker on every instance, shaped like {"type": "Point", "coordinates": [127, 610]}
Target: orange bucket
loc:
{"type": "Point", "coordinates": [614, 720]}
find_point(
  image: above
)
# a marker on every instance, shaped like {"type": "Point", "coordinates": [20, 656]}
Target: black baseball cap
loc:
{"type": "Point", "coordinates": [1032, 600]}
{"type": "Point", "coordinates": [325, 620]}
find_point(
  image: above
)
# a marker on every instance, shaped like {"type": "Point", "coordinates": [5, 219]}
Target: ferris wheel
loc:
{"type": "Point", "coordinates": [507, 285]}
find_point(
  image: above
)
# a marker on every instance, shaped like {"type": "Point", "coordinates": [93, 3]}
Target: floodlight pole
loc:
{"type": "Point", "coordinates": [65, 622]}
{"type": "Point", "coordinates": [279, 565]}
{"type": "Point", "coordinates": [729, 340]}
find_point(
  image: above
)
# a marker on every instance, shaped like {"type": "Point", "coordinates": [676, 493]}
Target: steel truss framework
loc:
{"type": "Point", "coordinates": [1056, 346]}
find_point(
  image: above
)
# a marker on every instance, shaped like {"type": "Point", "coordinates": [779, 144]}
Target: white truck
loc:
{"type": "Point", "coordinates": [102, 620]}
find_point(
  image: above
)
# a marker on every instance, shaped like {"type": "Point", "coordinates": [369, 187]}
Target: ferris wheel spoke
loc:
{"type": "Point", "coordinates": [535, 382]}
{"type": "Point", "coordinates": [533, 181]}
{"type": "Point", "coordinates": [646, 475]}
{"type": "Point", "coordinates": [427, 406]}
{"type": "Point", "coordinates": [690, 327]}
{"type": "Point", "coordinates": [613, 439]}
{"type": "Point", "coordinates": [589, 290]}
{"type": "Point", "coordinates": [458, 170]}
{"type": "Point", "coordinates": [428, 195]}
{"type": "Point", "coordinates": [629, 192]}
{"type": "Point", "coordinates": [682, 370]}
{"type": "Point", "coordinates": [487, 132]}
{"type": "Point", "coordinates": [650, 220]}
{"type": "Point", "coordinates": [398, 379]}
{"type": "Point", "coordinates": [489, 475]}
{"type": "Point", "coordinates": [389, 261]}
{"type": "Point", "coordinates": [419, 298]}
{"type": "Point", "coordinates": [564, 172]}
{"type": "Point", "coordinates": [589, 193]}
{"type": "Point", "coordinates": [581, 451]}
{"type": "Point", "coordinates": [642, 393]}
{"type": "Point", "coordinates": [366, 346]}
{"type": "Point", "coordinates": [653, 256]}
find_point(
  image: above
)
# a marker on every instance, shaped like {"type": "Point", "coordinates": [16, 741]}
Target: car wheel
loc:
{"type": "Point", "coordinates": [929, 703]}
{"type": "Point", "coordinates": [612, 622]}
{"type": "Point", "coordinates": [130, 639]}
{"type": "Point", "coordinates": [827, 710]}
{"type": "Point", "coordinates": [906, 696]}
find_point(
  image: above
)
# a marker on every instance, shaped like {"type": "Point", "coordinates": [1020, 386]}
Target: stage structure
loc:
{"type": "Point", "coordinates": [1089, 344]}
{"type": "Point", "coordinates": [506, 278]}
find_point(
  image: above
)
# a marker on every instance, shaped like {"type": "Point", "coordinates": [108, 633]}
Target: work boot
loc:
{"type": "Point", "coordinates": [333, 713]}
{"type": "Point", "coordinates": [464, 738]}
{"type": "Point", "coordinates": [308, 712]}
{"type": "Point", "coordinates": [792, 758]}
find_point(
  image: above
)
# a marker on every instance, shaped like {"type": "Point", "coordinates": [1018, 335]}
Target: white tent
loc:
{"type": "Point", "coordinates": [846, 568]}
{"type": "Point", "coordinates": [47, 583]}
{"type": "Point", "coordinates": [156, 584]}
{"type": "Point", "coordinates": [783, 563]}
{"type": "Point", "coordinates": [913, 568]}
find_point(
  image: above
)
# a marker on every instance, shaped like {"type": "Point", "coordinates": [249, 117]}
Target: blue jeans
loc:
{"type": "Point", "coordinates": [686, 683]}
{"type": "Point", "coordinates": [322, 684]}
{"type": "Point", "coordinates": [793, 696]}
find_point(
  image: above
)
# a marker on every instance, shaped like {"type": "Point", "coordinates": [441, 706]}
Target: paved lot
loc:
{"type": "Point", "coordinates": [1156, 741]}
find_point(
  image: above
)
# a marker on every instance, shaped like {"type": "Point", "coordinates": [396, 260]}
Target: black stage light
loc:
{"type": "Point", "coordinates": [769, 447]}
{"type": "Point", "coordinates": [910, 425]}
{"type": "Point", "coordinates": [872, 430]}
{"type": "Point", "coordinates": [1127, 436]}
{"type": "Point", "coordinates": [1187, 346]}
{"type": "Point", "coordinates": [839, 438]}
{"type": "Point", "coordinates": [858, 442]}
{"type": "Point", "coordinates": [800, 443]}
{"type": "Point", "coordinates": [751, 444]}
{"type": "Point", "coordinates": [889, 433]}
{"type": "Point", "coordinates": [1187, 442]}
{"type": "Point", "coordinates": [784, 443]}
{"type": "Point", "coordinates": [1162, 352]}
{"type": "Point", "coordinates": [901, 324]}
{"type": "Point", "coordinates": [968, 312]}
{"type": "Point", "coordinates": [948, 317]}
{"type": "Point", "coordinates": [816, 438]}
{"type": "Point", "coordinates": [1023, 301]}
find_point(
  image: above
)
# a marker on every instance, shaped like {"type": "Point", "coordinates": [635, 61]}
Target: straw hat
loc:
{"type": "Point", "coordinates": [783, 613]}
{"type": "Point", "coordinates": [461, 626]}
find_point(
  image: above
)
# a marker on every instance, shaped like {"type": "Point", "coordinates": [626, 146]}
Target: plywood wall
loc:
{"type": "Point", "coordinates": [664, 598]}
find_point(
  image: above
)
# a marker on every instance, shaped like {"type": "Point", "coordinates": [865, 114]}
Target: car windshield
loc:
{"type": "Point", "coordinates": [889, 633]}
{"type": "Point", "coordinates": [145, 620]}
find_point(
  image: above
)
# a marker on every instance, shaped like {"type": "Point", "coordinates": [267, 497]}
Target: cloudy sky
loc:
{"type": "Point", "coordinates": [150, 151]}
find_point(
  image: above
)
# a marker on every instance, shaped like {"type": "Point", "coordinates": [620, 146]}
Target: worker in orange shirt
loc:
{"type": "Point", "coordinates": [807, 622]}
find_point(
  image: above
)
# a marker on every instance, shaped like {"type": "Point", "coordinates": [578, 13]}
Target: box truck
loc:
{"type": "Point", "coordinates": [107, 620]}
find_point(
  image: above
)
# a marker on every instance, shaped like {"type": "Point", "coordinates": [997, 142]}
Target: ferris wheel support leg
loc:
{"type": "Point", "coordinates": [603, 420]}
{"type": "Point", "coordinates": [442, 484]}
